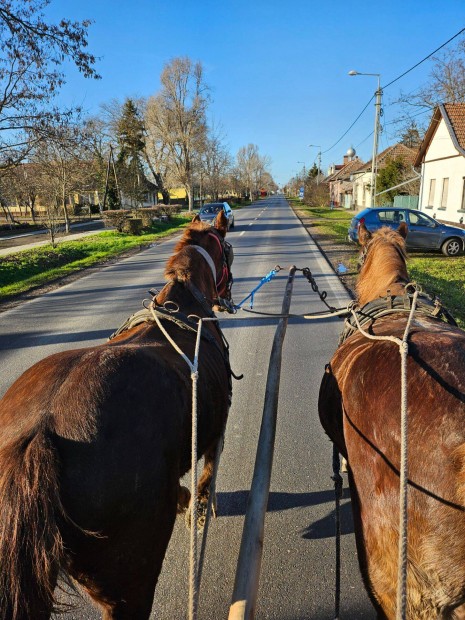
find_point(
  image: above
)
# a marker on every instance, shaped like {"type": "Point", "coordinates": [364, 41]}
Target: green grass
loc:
{"type": "Point", "coordinates": [441, 276]}
{"type": "Point", "coordinates": [332, 222]}
{"type": "Point", "coordinates": [437, 274]}
{"type": "Point", "coordinates": [26, 269]}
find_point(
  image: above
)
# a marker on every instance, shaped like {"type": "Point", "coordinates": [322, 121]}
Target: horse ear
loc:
{"type": "Point", "coordinates": [221, 223]}
{"type": "Point", "coordinates": [364, 235]}
{"type": "Point", "coordinates": [403, 230]}
{"type": "Point", "coordinates": [196, 218]}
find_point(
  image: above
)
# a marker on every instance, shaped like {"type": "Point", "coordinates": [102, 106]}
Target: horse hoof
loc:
{"type": "Point", "coordinates": [184, 497]}
{"type": "Point", "coordinates": [202, 508]}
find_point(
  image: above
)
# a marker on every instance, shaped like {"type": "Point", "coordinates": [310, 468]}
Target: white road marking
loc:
{"type": "Point", "coordinates": [242, 233]}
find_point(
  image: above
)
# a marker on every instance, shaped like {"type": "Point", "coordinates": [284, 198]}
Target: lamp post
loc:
{"type": "Point", "coordinates": [317, 146]}
{"type": "Point", "coordinates": [302, 162]}
{"type": "Point", "coordinates": [374, 162]}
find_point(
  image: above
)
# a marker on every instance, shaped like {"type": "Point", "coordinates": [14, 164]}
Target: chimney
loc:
{"type": "Point", "coordinates": [346, 159]}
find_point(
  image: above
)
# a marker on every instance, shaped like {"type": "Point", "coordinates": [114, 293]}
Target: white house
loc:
{"type": "Point", "coordinates": [442, 159]}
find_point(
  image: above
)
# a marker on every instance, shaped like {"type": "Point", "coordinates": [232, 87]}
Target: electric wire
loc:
{"type": "Point", "coordinates": [423, 60]}
{"type": "Point", "coordinates": [389, 84]}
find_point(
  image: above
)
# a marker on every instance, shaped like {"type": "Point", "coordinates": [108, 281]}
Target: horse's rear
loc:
{"type": "Point", "coordinates": [360, 407]}
{"type": "Point", "coordinates": [93, 443]}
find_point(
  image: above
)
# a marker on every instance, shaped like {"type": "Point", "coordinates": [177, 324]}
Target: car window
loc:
{"type": "Point", "coordinates": [391, 217]}
{"type": "Point", "coordinates": [210, 209]}
{"type": "Point", "coordinates": [418, 219]}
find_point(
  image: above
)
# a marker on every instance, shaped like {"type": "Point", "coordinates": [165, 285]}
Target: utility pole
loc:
{"type": "Point", "coordinates": [374, 161]}
{"type": "Point", "coordinates": [374, 158]}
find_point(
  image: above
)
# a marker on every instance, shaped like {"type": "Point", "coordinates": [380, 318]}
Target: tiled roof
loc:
{"type": "Point", "coordinates": [397, 151]}
{"type": "Point", "coordinates": [454, 117]}
{"type": "Point", "coordinates": [349, 168]}
{"type": "Point", "coordinates": [456, 114]}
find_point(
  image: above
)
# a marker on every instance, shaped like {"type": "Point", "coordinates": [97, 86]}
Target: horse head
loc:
{"type": "Point", "coordinates": [382, 262]}
{"type": "Point", "coordinates": [203, 258]}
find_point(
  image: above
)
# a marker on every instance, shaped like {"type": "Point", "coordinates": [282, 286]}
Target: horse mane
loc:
{"type": "Point", "coordinates": [384, 267]}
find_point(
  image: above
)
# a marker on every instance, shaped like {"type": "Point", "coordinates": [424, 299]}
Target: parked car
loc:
{"type": "Point", "coordinates": [210, 210]}
{"type": "Point", "coordinates": [424, 232]}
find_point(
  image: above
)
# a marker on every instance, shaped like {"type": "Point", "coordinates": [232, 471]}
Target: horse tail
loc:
{"type": "Point", "coordinates": [30, 543]}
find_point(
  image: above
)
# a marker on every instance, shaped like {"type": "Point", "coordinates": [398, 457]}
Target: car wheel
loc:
{"type": "Point", "coordinates": [452, 247]}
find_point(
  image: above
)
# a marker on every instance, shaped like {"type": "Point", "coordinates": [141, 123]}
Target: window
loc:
{"type": "Point", "coordinates": [445, 191]}
{"type": "Point", "coordinates": [432, 191]}
{"type": "Point", "coordinates": [390, 217]}
{"type": "Point", "coordinates": [418, 219]}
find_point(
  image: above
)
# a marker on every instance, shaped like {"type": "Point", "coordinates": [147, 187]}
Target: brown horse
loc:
{"type": "Point", "coordinates": [93, 443]}
{"type": "Point", "coordinates": [360, 405]}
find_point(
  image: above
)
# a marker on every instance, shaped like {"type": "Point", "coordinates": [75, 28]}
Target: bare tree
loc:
{"type": "Point", "coordinates": [446, 84]}
{"type": "Point", "coordinates": [175, 121]}
{"type": "Point", "coordinates": [64, 164]}
{"type": "Point", "coordinates": [31, 56]}
{"type": "Point", "coordinates": [21, 187]}
{"type": "Point", "coordinates": [251, 167]}
{"type": "Point", "coordinates": [214, 164]}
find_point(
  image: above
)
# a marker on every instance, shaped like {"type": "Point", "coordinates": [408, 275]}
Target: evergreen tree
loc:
{"type": "Point", "coordinates": [131, 143]}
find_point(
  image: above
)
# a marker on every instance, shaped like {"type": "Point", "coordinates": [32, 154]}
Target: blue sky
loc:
{"type": "Point", "coordinates": [277, 70]}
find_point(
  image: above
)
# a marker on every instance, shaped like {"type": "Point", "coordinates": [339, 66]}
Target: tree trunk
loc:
{"type": "Point", "coordinates": [190, 195]}
{"type": "Point", "coordinates": [65, 212]}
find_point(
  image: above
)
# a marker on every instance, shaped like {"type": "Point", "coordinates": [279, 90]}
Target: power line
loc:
{"type": "Point", "coordinates": [425, 58]}
{"type": "Point", "coordinates": [392, 82]}
{"type": "Point", "coordinates": [346, 132]}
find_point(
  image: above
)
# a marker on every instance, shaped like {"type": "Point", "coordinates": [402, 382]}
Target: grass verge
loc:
{"type": "Point", "coordinates": [27, 269]}
{"type": "Point", "coordinates": [437, 274]}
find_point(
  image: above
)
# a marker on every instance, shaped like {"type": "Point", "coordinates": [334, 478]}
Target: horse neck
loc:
{"type": "Point", "coordinates": [382, 272]}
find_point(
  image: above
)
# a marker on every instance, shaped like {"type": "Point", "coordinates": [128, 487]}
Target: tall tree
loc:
{"type": "Point", "coordinates": [31, 56]}
{"type": "Point", "coordinates": [131, 144]}
{"type": "Point", "coordinates": [176, 121]}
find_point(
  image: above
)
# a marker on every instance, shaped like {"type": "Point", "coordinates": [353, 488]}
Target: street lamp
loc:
{"type": "Point", "coordinates": [317, 146]}
{"type": "Point", "coordinates": [374, 162]}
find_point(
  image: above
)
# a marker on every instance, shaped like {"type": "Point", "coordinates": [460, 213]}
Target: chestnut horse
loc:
{"type": "Point", "coordinates": [93, 443]}
{"type": "Point", "coordinates": [359, 407]}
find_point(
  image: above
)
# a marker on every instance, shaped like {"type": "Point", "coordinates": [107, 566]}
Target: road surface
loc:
{"type": "Point", "coordinates": [297, 578]}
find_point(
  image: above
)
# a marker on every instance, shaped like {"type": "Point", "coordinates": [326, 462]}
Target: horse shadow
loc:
{"type": "Point", "coordinates": [234, 504]}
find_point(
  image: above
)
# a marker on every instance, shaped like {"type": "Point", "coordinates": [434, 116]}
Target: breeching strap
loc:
{"type": "Point", "coordinates": [401, 606]}
{"type": "Point", "coordinates": [194, 567]}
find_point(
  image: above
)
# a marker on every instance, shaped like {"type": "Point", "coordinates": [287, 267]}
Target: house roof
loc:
{"type": "Point", "coordinates": [349, 168]}
{"type": "Point", "coordinates": [397, 151]}
{"type": "Point", "coordinates": [453, 115]}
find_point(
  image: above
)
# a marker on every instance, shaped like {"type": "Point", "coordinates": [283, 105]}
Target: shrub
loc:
{"type": "Point", "coordinates": [116, 218]}
{"type": "Point", "coordinates": [133, 226]}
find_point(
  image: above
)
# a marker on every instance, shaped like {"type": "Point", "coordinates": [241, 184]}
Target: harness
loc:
{"type": "Point", "coordinates": [395, 304]}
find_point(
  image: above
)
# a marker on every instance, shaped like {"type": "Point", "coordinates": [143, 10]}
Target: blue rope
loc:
{"type": "Point", "coordinates": [269, 276]}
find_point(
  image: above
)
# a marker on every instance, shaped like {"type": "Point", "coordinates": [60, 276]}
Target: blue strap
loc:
{"type": "Point", "coordinates": [269, 276]}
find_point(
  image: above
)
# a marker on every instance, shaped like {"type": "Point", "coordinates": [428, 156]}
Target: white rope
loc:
{"type": "Point", "coordinates": [195, 566]}
{"type": "Point", "coordinates": [403, 468]}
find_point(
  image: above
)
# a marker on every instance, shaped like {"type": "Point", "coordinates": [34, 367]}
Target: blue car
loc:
{"type": "Point", "coordinates": [424, 232]}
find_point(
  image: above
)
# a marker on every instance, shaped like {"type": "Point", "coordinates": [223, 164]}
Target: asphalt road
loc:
{"type": "Point", "coordinates": [298, 568]}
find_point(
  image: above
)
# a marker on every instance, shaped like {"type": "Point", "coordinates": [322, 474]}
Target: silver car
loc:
{"type": "Point", "coordinates": [210, 210]}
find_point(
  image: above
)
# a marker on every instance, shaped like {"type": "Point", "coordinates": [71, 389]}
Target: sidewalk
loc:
{"type": "Point", "coordinates": [20, 247]}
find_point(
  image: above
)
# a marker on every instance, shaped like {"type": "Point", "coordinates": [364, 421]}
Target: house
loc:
{"type": "Point", "coordinates": [339, 180]}
{"type": "Point", "coordinates": [361, 178]}
{"type": "Point", "coordinates": [442, 159]}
